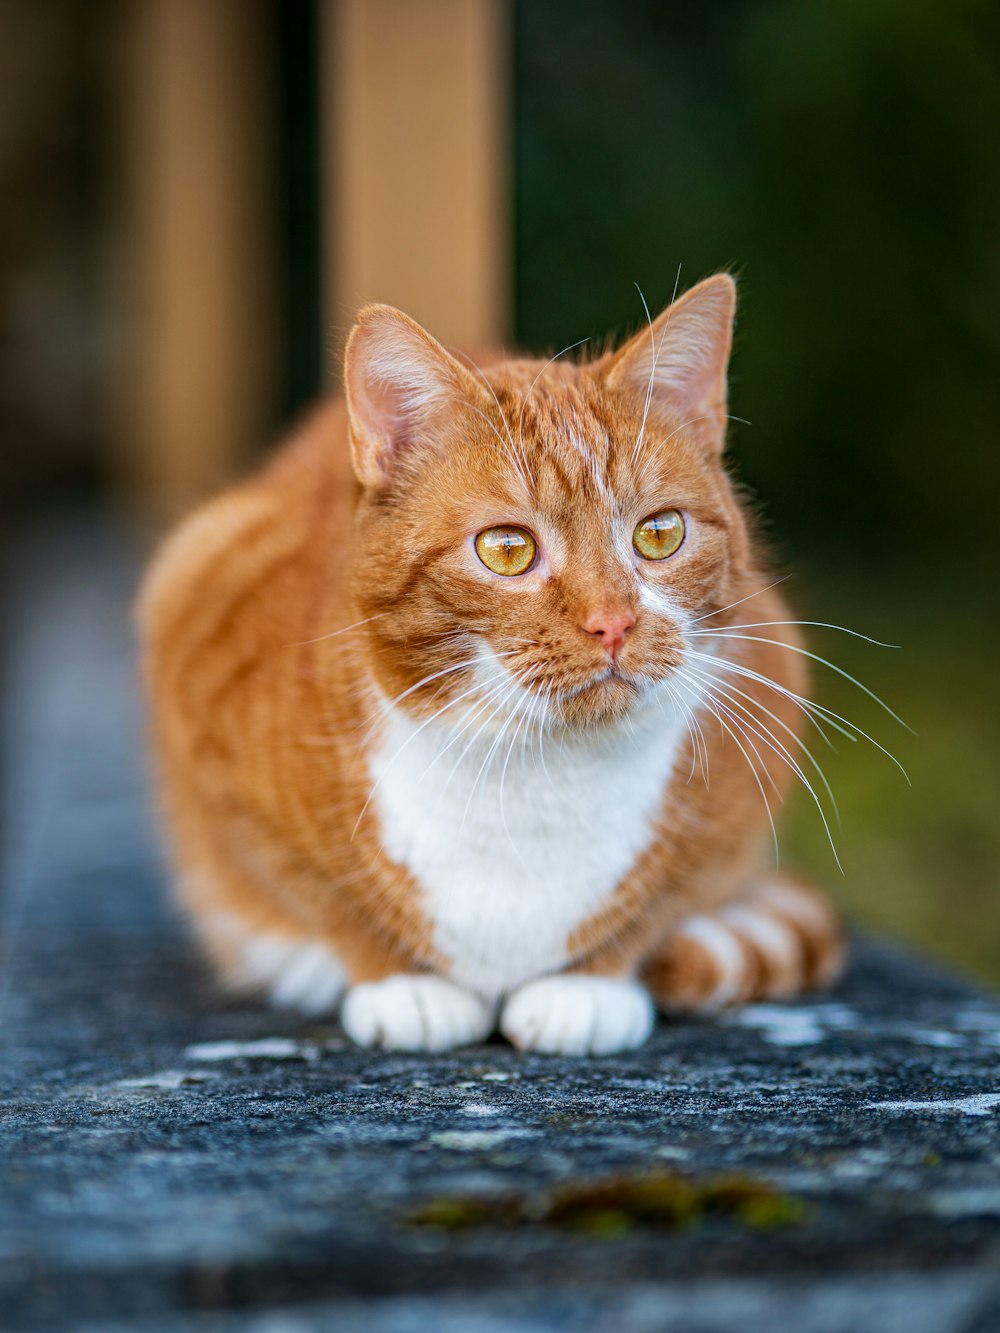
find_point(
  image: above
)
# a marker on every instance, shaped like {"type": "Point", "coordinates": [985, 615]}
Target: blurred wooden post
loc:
{"type": "Point", "coordinates": [416, 201]}
{"type": "Point", "coordinates": [196, 133]}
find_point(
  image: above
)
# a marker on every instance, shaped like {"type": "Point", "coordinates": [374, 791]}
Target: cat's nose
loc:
{"type": "Point", "coordinates": [610, 627]}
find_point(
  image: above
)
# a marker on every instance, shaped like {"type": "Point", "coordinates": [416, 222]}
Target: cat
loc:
{"type": "Point", "coordinates": [459, 717]}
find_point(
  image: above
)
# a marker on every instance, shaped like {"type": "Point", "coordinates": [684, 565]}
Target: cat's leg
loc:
{"type": "Point", "coordinates": [576, 1013]}
{"type": "Point", "coordinates": [415, 1011]}
{"type": "Point", "coordinates": [775, 941]}
{"type": "Point", "coordinates": [403, 1011]}
{"type": "Point", "coordinates": [258, 947]}
{"type": "Point", "coordinates": [275, 959]}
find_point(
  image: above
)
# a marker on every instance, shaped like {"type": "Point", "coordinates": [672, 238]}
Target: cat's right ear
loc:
{"type": "Point", "coordinates": [398, 381]}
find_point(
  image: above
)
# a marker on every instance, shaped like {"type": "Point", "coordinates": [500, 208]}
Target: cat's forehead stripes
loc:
{"type": "Point", "coordinates": [565, 444]}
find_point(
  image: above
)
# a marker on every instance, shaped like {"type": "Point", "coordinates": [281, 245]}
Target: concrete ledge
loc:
{"type": "Point", "coordinates": [173, 1161]}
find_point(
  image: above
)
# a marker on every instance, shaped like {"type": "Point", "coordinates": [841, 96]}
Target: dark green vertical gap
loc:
{"type": "Point", "coordinates": [299, 185]}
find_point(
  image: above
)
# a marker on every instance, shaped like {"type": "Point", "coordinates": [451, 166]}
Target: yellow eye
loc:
{"type": "Point", "coordinates": [659, 535]}
{"type": "Point", "coordinates": [506, 550]}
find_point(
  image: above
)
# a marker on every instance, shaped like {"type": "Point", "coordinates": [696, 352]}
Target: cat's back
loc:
{"type": "Point", "coordinates": [242, 580]}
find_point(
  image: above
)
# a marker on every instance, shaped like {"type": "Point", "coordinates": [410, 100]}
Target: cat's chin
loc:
{"type": "Point", "coordinates": [606, 700]}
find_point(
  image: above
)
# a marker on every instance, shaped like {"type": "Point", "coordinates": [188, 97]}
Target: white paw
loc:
{"type": "Point", "coordinates": [578, 1015]}
{"type": "Point", "coordinates": [414, 1013]}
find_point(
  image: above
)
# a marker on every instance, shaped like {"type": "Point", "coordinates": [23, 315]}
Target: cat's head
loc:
{"type": "Point", "coordinates": [541, 530]}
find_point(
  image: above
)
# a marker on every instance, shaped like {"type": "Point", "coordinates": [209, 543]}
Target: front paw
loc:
{"type": "Point", "coordinates": [414, 1012]}
{"type": "Point", "coordinates": [578, 1015]}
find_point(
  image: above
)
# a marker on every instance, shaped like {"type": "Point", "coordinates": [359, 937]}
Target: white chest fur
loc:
{"type": "Point", "coordinates": [512, 859]}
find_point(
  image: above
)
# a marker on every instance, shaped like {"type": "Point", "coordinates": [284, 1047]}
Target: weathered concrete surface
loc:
{"type": "Point", "coordinates": [152, 1182]}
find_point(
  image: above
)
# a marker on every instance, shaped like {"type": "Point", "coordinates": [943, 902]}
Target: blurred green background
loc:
{"type": "Point", "coordinates": [840, 158]}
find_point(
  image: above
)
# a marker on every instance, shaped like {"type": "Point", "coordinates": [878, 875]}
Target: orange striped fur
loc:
{"type": "Point", "coordinates": [336, 679]}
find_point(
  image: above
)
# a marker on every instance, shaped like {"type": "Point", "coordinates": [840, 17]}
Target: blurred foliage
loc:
{"type": "Point", "coordinates": [841, 158]}
{"type": "Point", "coordinates": [922, 859]}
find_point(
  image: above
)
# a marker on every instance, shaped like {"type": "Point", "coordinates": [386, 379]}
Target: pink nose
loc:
{"type": "Point", "coordinates": [610, 627]}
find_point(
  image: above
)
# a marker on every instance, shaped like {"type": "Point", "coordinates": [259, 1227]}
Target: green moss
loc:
{"type": "Point", "coordinates": [661, 1199]}
{"type": "Point", "coordinates": [461, 1211]}
{"type": "Point", "coordinates": [614, 1205]}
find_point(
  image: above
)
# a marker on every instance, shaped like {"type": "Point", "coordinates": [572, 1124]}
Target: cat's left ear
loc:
{"type": "Point", "coordinates": [400, 385]}
{"type": "Point", "coordinates": [681, 361]}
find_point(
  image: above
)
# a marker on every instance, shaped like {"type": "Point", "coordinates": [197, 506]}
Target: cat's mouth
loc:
{"type": "Point", "coordinates": [608, 694]}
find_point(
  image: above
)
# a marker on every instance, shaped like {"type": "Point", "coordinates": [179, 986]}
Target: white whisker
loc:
{"type": "Point", "coordinates": [756, 776]}
{"type": "Point", "coordinates": [426, 680]}
{"type": "Point", "coordinates": [524, 400]}
{"type": "Point", "coordinates": [850, 730]}
{"type": "Point", "coordinates": [346, 630]}
{"type": "Point", "coordinates": [483, 766]}
{"type": "Point", "coordinates": [520, 462]}
{"type": "Point", "coordinates": [819, 624]}
{"type": "Point", "coordinates": [412, 736]}
{"type": "Point", "coordinates": [805, 652]}
{"type": "Point", "coordinates": [777, 746]}
{"type": "Point", "coordinates": [749, 597]}
{"type": "Point", "coordinates": [756, 703]}
{"type": "Point", "coordinates": [491, 697]}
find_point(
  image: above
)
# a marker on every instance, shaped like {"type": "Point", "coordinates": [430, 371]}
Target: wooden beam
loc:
{"type": "Point", "coordinates": [415, 158]}
{"type": "Point", "coordinates": [199, 357]}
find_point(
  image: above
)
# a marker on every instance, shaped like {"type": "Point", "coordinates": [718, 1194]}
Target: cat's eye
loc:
{"type": "Point", "coordinates": [659, 535]}
{"type": "Point", "coordinates": [506, 550]}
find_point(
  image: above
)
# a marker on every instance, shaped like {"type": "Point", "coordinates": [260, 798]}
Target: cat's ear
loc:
{"type": "Point", "coordinates": [398, 381]}
{"type": "Point", "coordinates": [681, 361]}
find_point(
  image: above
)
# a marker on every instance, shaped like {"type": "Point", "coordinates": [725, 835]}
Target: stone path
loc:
{"type": "Point", "coordinates": [172, 1161]}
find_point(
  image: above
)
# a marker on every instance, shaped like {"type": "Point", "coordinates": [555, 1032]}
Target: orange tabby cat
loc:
{"type": "Point", "coordinates": [461, 741]}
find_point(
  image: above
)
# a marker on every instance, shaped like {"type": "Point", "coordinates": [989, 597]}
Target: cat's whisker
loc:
{"type": "Point", "coordinates": [546, 709]}
{"type": "Point", "coordinates": [656, 348]}
{"type": "Point", "coordinates": [652, 373]}
{"type": "Point", "coordinates": [704, 416]}
{"type": "Point", "coordinates": [531, 387]}
{"type": "Point", "coordinates": [850, 730]}
{"type": "Point", "coordinates": [815, 657]}
{"type": "Point", "coordinates": [707, 703]}
{"type": "Point", "coordinates": [719, 693]}
{"type": "Point", "coordinates": [518, 458]}
{"type": "Point", "coordinates": [525, 713]}
{"type": "Point", "coordinates": [335, 633]}
{"type": "Point", "coordinates": [756, 703]}
{"type": "Point", "coordinates": [692, 735]}
{"type": "Point", "coordinates": [806, 706]}
{"type": "Point", "coordinates": [483, 767]}
{"type": "Point", "coordinates": [498, 686]}
{"type": "Point", "coordinates": [495, 708]}
{"type": "Point", "coordinates": [676, 706]}
{"type": "Point", "coordinates": [503, 443]}
{"type": "Point", "coordinates": [498, 698]}
{"type": "Point", "coordinates": [746, 732]}
{"type": "Point", "coordinates": [697, 739]}
{"type": "Point", "coordinates": [748, 598]}
{"type": "Point", "coordinates": [386, 704]}
{"type": "Point", "coordinates": [411, 737]}
{"type": "Point", "coordinates": [784, 754]}
{"type": "Point", "coordinates": [536, 721]}
{"type": "Point", "coordinates": [764, 624]}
